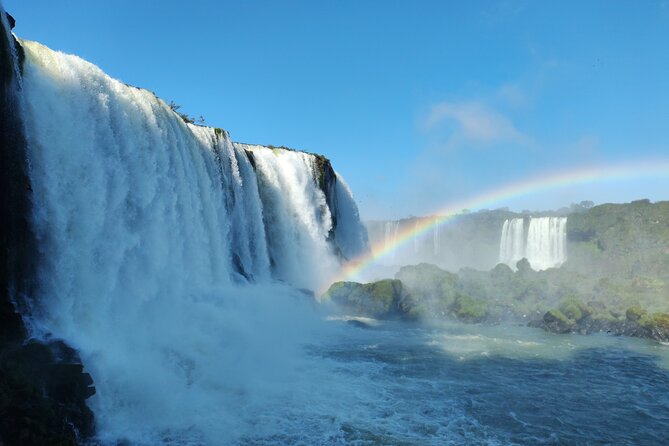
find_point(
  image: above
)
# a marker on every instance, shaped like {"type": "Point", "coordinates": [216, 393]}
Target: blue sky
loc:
{"type": "Point", "coordinates": [417, 104]}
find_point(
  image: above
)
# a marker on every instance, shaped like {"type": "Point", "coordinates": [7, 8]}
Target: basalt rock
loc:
{"type": "Point", "coordinates": [43, 387]}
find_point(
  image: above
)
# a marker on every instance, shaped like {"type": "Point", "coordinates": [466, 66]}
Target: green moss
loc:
{"type": "Point", "coordinates": [469, 309]}
{"type": "Point", "coordinates": [655, 321]}
{"type": "Point", "coordinates": [635, 313]}
{"type": "Point", "coordinates": [574, 309]}
{"type": "Point", "coordinates": [558, 315]}
{"type": "Point", "coordinates": [382, 290]}
{"type": "Point", "coordinates": [661, 320]}
{"type": "Point", "coordinates": [381, 299]}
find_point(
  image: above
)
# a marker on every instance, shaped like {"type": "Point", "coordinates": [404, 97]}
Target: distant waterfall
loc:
{"type": "Point", "coordinates": [435, 240]}
{"type": "Point", "coordinates": [544, 244]}
{"type": "Point", "coordinates": [512, 245]}
{"type": "Point", "coordinates": [390, 235]}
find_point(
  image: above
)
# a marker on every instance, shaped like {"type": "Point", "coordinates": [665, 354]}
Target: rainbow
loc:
{"type": "Point", "coordinates": [496, 197]}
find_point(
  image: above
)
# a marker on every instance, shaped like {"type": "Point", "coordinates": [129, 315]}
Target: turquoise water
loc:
{"type": "Point", "coordinates": [462, 384]}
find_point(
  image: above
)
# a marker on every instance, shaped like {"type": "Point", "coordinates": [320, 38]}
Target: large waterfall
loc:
{"type": "Point", "coordinates": [544, 244]}
{"type": "Point", "coordinates": [169, 255]}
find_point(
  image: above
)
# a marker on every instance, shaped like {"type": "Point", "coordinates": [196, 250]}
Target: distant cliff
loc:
{"type": "Point", "coordinates": [628, 239]}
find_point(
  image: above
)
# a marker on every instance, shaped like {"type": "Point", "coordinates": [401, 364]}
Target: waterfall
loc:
{"type": "Point", "coordinates": [435, 240]}
{"type": "Point", "coordinates": [350, 234]}
{"type": "Point", "coordinates": [546, 241]}
{"type": "Point", "coordinates": [164, 245]}
{"type": "Point", "coordinates": [544, 244]}
{"type": "Point", "coordinates": [512, 245]}
{"type": "Point", "coordinates": [390, 233]}
{"type": "Point", "coordinates": [296, 215]}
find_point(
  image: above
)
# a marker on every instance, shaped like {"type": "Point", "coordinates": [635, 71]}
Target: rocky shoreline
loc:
{"type": "Point", "coordinates": [557, 301]}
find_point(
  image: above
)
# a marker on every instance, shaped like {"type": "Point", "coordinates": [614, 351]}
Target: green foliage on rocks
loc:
{"type": "Point", "coordinates": [616, 277]}
{"type": "Point", "coordinates": [574, 309]}
{"type": "Point", "coordinates": [625, 241]}
{"type": "Point", "coordinates": [635, 313]}
{"type": "Point", "coordinates": [184, 116]}
{"type": "Point", "coordinates": [382, 299]}
{"type": "Point", "coordinates": [470, 309]}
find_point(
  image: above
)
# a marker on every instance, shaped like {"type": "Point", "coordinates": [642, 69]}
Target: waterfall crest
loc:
{"type": "Point", "coordinates": [544, 244]}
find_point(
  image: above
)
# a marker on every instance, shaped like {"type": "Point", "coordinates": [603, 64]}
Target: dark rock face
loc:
{"type": "Point", "coordinates": [42, 386]}
{"type": "Point", "coordinates": [42, 400]}
{"type": "Point", "coordinates": [17, 240]}
{"type": "Point", "coordinates": [327, 182]}
{"type": "Point", "coordinates": [10, 19]}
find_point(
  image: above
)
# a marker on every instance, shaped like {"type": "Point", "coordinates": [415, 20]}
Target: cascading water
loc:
{"type": "Point", "coordinates": [159, 243]}
{"type": "Point", "coordinates": [546, 241]}
{"type": "Point", "coordinates": [512, 245]}
{"type": "Point", "coordinates": [350, 234]}
{"type": "Point", "coordinates": [544, 244]}
{"type": "Point", "coordinates": [391, 228]}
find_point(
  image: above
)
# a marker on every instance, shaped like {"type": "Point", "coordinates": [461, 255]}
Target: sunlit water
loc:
{"type": "Point", "coordinates": [456, 384]}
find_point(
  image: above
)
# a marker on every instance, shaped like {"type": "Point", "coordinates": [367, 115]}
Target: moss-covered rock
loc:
{"type": "Point", "coordinates": [574, 309]}
{"type": "Point", "coordinates": [635, 313]}
{"type": "Point", "coordinates": [469, 309]}
{"type": "Point", "coordinates": [385, 299]}
{"type": "Point", "coordinates": [557, 322]}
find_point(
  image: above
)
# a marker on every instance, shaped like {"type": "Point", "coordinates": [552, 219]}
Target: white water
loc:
{"type": "Point", "coordinates": [546, 242]}
{"type": "Point", "coordinates": [159, 248]}
{"type": "Point", "coordinates": [512, 245]}
{"type": "Point", "coordinates": [391, 228]}
{"type": "Point", "coordinates": [350, 233]}
{"type": "Point", "coordinates": [544, 245]}
{"type": "Point", "coordinates": [296, 215]}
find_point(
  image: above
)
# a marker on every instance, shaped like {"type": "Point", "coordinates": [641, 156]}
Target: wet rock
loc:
{"type": "Point", "coordinates": [42, 400]}
{"type": "Point", "coordinates": [556, 322]}
{"type": "Point", "coordinates": [10, 19]}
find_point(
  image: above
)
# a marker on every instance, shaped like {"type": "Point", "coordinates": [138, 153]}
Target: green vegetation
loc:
{"type": "Point", "coordinates": [574, 309]}
{"type": "Point", "coordinates": [470, 310]}
{"type": "Point", "coordinates": [184, 116]}
{"type": "Point", "coordinates": [635, 313]}
{"type": "Point", "coordinates": [616, 278]}
{"type": "Point", "coordinates": [382, 299]}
